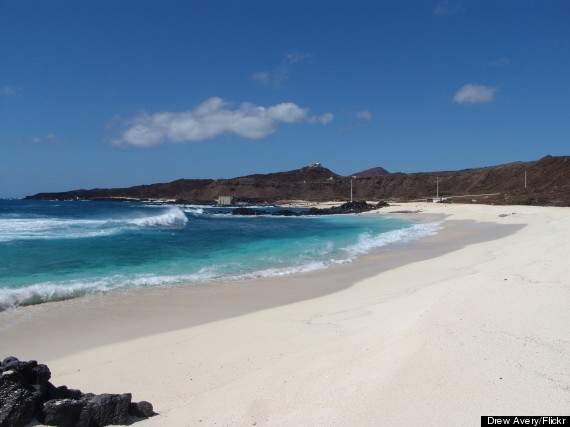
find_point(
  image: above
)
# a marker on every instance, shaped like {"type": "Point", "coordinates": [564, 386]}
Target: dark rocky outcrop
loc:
{"type": "Point", "coordinates": [285, 212]}
{"type": "Point", "coordinates": [249, 212]}
{"type": "Point", "coordinates": [25, 393]}
{"type": "Point", "coordinates": [141, 409]}
{"type": "Point", "coordinates": [18, 400]}
{"type": "Point", "coordinates": [345, 208]}
{"type": "Point", "coordinates": [106, 409]}
{"type": "Point", "coordinates": [65, 413]}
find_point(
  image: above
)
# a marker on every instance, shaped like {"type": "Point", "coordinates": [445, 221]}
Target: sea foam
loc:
{"type": "Point", "coordinates": [48, 228]}
{"type": "Point", "coordinates": [52, 252]}
{"type": "Point", "coordinates": [173, 216]}
{"type": "Point", "coordinates": [368, 242]}
{"type": "Point", "coordinates": [194, 210]}
{"type": "Point", "coordinates": [57, 291]}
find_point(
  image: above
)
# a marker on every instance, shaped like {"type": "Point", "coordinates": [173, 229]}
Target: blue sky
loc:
{"type": "Point", "coordinates": [125, 92]}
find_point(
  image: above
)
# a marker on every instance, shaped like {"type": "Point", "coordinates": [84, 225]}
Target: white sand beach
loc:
{"type": "Point", "coordinates": [474, 321]}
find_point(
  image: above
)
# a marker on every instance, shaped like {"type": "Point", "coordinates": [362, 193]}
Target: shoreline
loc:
{"type": "Point", "coordinates": [181, 306]}
{"type": "Point", "coordinates": [443, 331]}
{"type": "Point", "coordinates": [50, 290]}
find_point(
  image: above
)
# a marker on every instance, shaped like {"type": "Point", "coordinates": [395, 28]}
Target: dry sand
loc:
{"type": "Point", "coordinates": [474, 321]}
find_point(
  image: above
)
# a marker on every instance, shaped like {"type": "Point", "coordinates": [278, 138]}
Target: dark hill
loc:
{"type": "Point", "coordinates": [377, 171]}
{"type": "Point", "coordinates": [548, 182]}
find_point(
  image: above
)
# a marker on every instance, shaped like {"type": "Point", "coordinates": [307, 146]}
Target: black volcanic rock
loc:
{"type": "Point", "coordinates": [31, 371]}
{"type": "Point", "coordinates": [108, 409]}
{"type": "Point", "coordinates": [285, 212]}
{"type": "Point", "coordinates": [19, 400]}
{"type": "Point", "coordinates": [345, 208]}
{"type": "Point", "coordinates": [248, 212]}
{"type": "Point", "coordinates": [25, 393]}
{"type": "Point", "coordinates": [65, 413]}
{"type": "Point", "coordinates": [63, 392]}
{"type": "Point", "coordinates": [142, 409]}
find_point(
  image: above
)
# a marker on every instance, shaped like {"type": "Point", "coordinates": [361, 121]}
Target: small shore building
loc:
{"type": "Point", "coordinates": [225, 200]}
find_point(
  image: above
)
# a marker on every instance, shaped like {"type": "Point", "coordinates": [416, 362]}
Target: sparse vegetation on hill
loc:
{"type": "Point", "coordinates": [547, 183]}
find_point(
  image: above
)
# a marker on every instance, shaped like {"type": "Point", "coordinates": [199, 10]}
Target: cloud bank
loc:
{"type": "Point", "coordinates": [209, 120]}
{"type": "Point", "coordinates": [474, 94]}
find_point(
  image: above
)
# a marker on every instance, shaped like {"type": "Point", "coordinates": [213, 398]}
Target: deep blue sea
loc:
{"type": "Point", "coordinates": [52, 250]}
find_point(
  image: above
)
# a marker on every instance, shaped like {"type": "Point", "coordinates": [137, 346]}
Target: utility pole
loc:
{"type": "Point", "coordinates": [525, 178]}
{"type": "Point", "coordinates": [437, 186]}
{"type": "Point", "coordinates": [350, 190]}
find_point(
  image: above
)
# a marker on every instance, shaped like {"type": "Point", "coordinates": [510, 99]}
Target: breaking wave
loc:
{"type": "Point", "coordinates": [173, 216]}
{"type": "Point", "coordinates": [51, 252]}
{"type": "Point", "coordinates": [48, 228]}
{"type": "Point", "coordinates": [194, 210]}
{"type": "Point", "coordinates": [58, 291]}
{"type": "Point", "coordinates": [63, 228]}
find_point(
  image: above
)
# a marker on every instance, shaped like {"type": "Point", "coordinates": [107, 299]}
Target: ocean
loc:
{"type": "Point", "coordinates": [54, 250]}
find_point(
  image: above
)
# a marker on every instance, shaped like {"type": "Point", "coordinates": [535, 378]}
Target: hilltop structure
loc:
{"type": "Point", "coordinates": [544, 181]}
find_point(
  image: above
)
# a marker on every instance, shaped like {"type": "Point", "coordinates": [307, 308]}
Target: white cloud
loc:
{"type": "Point", "coordinates": [278, 76]}
{"type": "Point", "coordinates": [10, 90]}
{"type": "Point", "coordinates": [323, 119]}
{"type": "Point", "coordinates": [363, 115]}
{"type": "Point", "coordinates": [442, 9]}
{"type": "Point", "coordinates": [287, 112]}
{"type": "Point", "coordinates": [49, 139]}
{"type": "Point", "coordinates": [474, 94]}
{"type": "Point", "coordinates": [262, 78]}
{"type": "Point", "coordinates": [209, 120]}
{"type": "Point", "coordinates": [294, 57]}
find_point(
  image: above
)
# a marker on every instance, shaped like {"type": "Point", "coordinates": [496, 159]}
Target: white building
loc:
{"type": "Point", "coordinates": [225, 200]}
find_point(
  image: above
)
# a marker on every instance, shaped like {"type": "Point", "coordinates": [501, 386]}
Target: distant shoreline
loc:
{"type": "Point", "coordinates": [543, 182]}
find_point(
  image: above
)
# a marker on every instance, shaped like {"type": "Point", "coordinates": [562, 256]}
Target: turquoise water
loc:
{"type": "Point", "coordinates": [57, 250]}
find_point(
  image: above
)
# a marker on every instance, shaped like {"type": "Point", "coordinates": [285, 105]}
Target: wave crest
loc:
{"type": "Point", "coordinates": [172, 217]}
{"type": "Point", "coordinates": [65, 228]}
{"type": "Point", "coordinates": [58, 291]}
{"type": "Point", "coordinates": [194, 211]}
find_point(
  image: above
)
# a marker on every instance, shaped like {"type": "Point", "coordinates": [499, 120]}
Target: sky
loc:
{"type": "Point", "coordinates": [116, 93]}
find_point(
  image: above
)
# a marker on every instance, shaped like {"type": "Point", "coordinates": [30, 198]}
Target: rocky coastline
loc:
{"type": "Point", "coordinates": [547, 183]}
{"type": "Point", "coordinates": [346, 208]}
